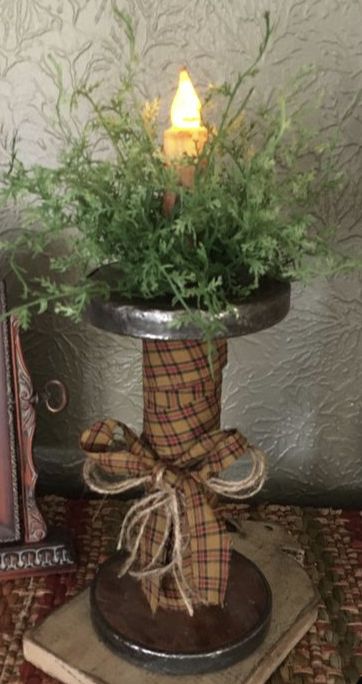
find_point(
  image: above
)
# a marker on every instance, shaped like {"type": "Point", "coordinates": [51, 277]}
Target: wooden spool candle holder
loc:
{"type": "Point", "coordinates": [171, 641]}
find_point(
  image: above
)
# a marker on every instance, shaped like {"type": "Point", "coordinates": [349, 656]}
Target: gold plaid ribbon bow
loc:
{"type": "Point", "coordinates": [176, 544]}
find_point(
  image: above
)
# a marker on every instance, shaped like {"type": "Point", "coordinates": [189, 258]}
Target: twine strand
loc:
{"type": "Point", "coordinates": [248, 486]}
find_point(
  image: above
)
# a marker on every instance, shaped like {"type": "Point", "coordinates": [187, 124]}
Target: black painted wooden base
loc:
{"type": "Point", "coordinates": [172, 641]}
{"type": "Point", "coordinates": [55, 553]}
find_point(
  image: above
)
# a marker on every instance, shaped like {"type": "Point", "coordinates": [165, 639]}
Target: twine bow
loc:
{"type": "Point", "coordinates": [176, 544]}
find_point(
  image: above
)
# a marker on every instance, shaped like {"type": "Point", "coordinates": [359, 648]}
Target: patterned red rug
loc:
{"type": "Point", "coordinates": [331, 653]}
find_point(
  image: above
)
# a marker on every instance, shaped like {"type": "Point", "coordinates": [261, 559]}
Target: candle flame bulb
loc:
{"type": "Point", "coordinates": [186, 106]}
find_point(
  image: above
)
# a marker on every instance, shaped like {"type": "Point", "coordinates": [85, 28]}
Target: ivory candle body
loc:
{"type": "Point", "coordinates": [177, 143]}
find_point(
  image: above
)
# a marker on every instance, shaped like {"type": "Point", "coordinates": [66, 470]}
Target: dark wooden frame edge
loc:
{"type": "Point", "coordinates": [10, 526]}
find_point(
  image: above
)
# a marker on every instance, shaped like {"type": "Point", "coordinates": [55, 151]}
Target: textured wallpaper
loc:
{"type": "Point", "coordinates": [294, 389]}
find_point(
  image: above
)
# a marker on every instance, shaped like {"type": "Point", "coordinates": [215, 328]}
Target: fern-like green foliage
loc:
{"type": "Point", "coordinates": [247, 218]}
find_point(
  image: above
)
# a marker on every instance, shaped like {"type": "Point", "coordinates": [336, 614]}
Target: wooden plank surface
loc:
{"type": "Point", "coordinates": [67, 648]}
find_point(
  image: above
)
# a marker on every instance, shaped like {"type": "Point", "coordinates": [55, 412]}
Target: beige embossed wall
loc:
{"type": "Point", "coordinates": [295, 389]}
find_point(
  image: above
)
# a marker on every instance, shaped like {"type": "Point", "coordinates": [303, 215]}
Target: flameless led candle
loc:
{"type": "Point", "coordinates": [186, 136]}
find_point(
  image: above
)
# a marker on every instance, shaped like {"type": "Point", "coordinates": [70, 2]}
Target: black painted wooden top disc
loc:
{"type": "Point", "coordinates": [172, 641]}
{"type": "Point", "coordinates": [156, 319]}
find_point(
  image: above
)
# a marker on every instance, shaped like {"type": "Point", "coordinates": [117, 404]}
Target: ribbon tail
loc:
{"type": "Point", "coordinates": [210, 548]}
{"type": "Point", "coordinates": [152, 546]}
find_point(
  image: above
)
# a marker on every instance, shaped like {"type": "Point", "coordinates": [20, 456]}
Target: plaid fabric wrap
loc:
{"type": "Point", "coordinates": [181, 431]}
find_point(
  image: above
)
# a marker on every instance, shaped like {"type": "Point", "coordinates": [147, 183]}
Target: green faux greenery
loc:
{"type": "Point", "coordinates": [248, 217]}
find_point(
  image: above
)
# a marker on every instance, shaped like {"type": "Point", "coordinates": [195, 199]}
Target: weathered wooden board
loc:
{"type": "Point", "coordinates": [67, 648]}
